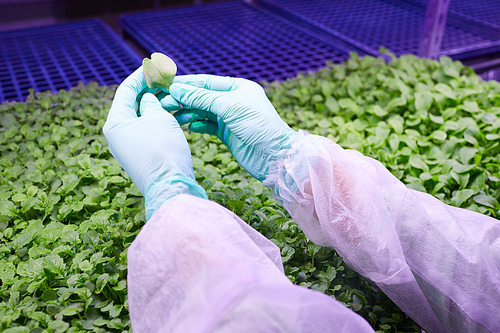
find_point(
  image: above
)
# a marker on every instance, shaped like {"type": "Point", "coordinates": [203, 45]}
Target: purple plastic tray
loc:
{"type": "Point", "coordinates": [483, 12]}
{"type": "Point", "coordinates": [370, 24]}
{"type": "Point", "coordinates": [233, 39]}
{"type": "Point", "coordinates": [57, 57]}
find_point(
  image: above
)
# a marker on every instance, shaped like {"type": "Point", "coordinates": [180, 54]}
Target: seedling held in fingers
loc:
{"type": "Point", "coordinates": [159, 71]}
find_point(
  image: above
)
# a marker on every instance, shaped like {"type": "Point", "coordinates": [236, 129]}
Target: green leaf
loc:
{"type": "Point", "coordinates": [58, 326]}
{"type": "Point", "coordinates": [470, 139]}
{"type": "Point", "coordinates": [467, 153]}
{"type": "Point", "coordinates": [395, 102]}
{"type": "Point", "coordinates": [102, 280]}
{"type": "Point", "coordinates": [329, 275]}
{"type": "Point", "coordinates": [22, 239]}
{"type": "Point", "coordinates": [49, 295]}
{"type": "Point", "coordinates": [448, 113]}
{"type": "Point", "coordinates": [349, 104]}
{"type": "Point", "coordinates": [85, 266]}
{"type": "Point", "coordinates": [19, 329]}
{"type": "Point", "coordinates": [423, 100]}
{"type": "Point", "coordinates": [460, 168]}
{"type": "Point", "coordinates": [327, 89]}
{"type": "Point", "coordinates": [115, 311]}
{"type": "Point", "coordinates": [438, 135]}
{"type": "Point", "coordinates": [102, 215]}
{"type": "Point", "coordinates": [486, 200]}
{"type": "Point", "coordinates": [332, 104]}
{"type": "Point", "coordinates": [451, 70]}
{"type": "Point", "coordinates": [416, 161]}
{"type": "Point", "coordinates": [357, 303]}
{"type": "Point", "coordinates": [159, 71]}
{"type": "Point", "coordinates": [492, 137]}
{"type": "Point", "coordinates": [436, 119]}
{"type": "Point", "coordinates": [445, 90]}
{"type": "Point", "coordinates": [55, 264]}
{"type": "Point", "coordinates": [18, 197]}
{"type": "Point", "coordinates": [287, 253]}
{"type": "Point", "coordinates": [470, 106]}
{"type": "Point", "coordinates": [397, 123]}
{"type": "Point", "coordinates": [324, 123]}
{"type": "Point", "coordinates": [461, 196]}
{"type": "Point", "coordinates": [7, 208]}
{"type": "Point", "coordinates": [52, 309]}
{"type": "Point", "coordinates": [122, 285]}
{"type": "Point", "coordinates": [45, 104]}
{"type": "Point", "coordinates": [490, 118]}
{"type": "Point", "coordinates": [72, 310]}
{"type": "Point", "coordinates": [378, 111]}
{"type": "Point", "coordinates": [417, 187]}
{"type": "Point", "coordinates": [461, 179]}
{"type": "Point", "coordinates": [31, 191]}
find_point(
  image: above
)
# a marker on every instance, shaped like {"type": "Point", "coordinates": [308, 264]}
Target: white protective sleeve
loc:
{"type": "Point", "coordinates": [196, 267]}
{"type": "Point", "coordinates": [439, 264]}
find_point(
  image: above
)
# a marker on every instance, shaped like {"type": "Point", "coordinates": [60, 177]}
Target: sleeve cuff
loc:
{"type": "Point", "coordinates": [159, 192]}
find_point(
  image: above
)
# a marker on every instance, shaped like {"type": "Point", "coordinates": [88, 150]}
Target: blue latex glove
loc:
{"type": "Point", "coordinates": [152, 148]}
{"type": "Point", "coordinates": [237, 111]}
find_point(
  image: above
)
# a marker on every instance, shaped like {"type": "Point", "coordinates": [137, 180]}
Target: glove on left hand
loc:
{"type": "Point", "coordinates": [152, 148]}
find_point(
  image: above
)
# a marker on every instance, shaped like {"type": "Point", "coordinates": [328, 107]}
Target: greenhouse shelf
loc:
{"type": "Point", "coordinates": [57, 57]}
{"type": "Point", "coordinates": [232, 38]}
{"type": "Point", "coordinates": [395, 24]}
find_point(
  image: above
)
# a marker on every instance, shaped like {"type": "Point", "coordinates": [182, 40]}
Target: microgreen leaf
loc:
{"type": "Point", "coordinates": [487, 200]}
{"type": "Point", "coordinates": [159, 71]}
{"type": "Point", "coordinates": [423, 100]}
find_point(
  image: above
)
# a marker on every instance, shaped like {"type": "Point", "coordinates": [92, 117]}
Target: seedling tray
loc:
{"type": "Point", "coordinates": [231, 38]}
{"type": "Point", "coordinates": [483, 12]}
{"type": "Point", "coordinates": [486, 12]}
{"type": "Point", "coordinates": [397, 25]}
{"type": "Point", "coordinates": [57, 57]}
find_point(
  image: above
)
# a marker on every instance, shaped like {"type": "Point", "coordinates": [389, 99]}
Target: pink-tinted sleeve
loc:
{"type": "Point", "coordinates": [197, 267]}
{"type": "Point", "coordinates": [439, 264]}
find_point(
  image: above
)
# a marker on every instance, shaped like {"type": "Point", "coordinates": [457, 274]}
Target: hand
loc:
{"type": "Point", "coordinates": [152, 148]}
{"type": "Point", "coordinates": [237, 111]}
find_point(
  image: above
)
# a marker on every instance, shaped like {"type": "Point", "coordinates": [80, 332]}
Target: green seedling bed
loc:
{"type": "Point", "coordinates": [68, 212]}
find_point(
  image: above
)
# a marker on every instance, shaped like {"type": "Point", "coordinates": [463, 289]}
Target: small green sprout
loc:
{"type": "Point", "coordinates": [159, 71]}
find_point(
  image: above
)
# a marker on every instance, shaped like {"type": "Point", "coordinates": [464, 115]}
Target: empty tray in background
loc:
{"type": "Point", "coordinates": [483, 12]}
{"type": "Point", "coordinates": [233, 39]}
{"type": "Point", "coordinates": [397, 25]}
{"type": "Point", "coordinates": [57, 57]}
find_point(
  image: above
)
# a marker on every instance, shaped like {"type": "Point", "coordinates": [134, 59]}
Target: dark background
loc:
{"type": "Point", "coordinates": [20, 14]}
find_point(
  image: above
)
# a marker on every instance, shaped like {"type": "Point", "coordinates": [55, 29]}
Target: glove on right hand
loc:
{"type": "Point", "coordinates": [237, 111]}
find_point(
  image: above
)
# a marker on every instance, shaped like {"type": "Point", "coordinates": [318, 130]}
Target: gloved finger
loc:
{"type": "Point", "coordinates": [188, 116]}
{"type": "Point", "coordinates": [204, 126]}
{"type": "Point", "coordinates": [211, 82]}
{"type": "Point", "coordinates": [150, 105]}
{"type": "Point", "coordinates": [192, 97]}
{"type": "Point", "coordinates": [124, 103]}
{"type": "Point", "coordinates": [170, 104]}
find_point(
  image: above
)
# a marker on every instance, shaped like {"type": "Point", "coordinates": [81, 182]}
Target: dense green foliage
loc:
{"type": "Point", "coordinates": [68, 212]}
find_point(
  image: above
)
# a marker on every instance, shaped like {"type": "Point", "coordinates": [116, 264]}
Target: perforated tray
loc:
{"type": "Point", "coordinates": [230, 38]}
{"type": "Point", "coordinates": [484, 12]}
{"type": "Point", "coordinates": [369, 24]}
{"type": "Point", "coordinates": [57, 57]}
{"type": "Point", "coordinates": [493, 74]}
